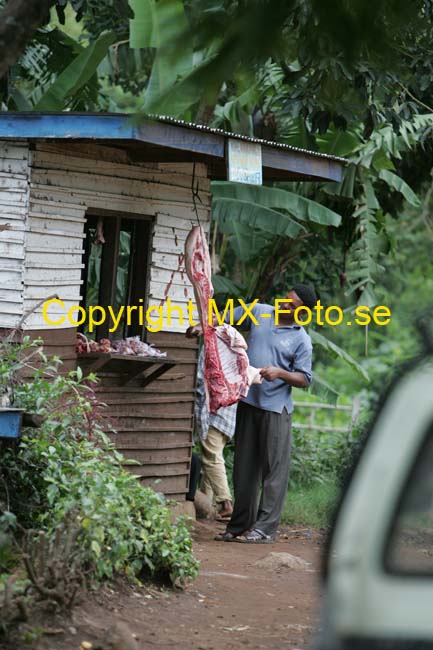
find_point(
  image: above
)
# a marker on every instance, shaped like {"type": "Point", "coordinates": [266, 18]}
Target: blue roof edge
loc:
{"type": "Point", "coordinates": [116, 126]}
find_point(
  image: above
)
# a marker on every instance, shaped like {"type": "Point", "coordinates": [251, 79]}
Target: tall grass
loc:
{"type": "Point", "coordinates": [311, 505]}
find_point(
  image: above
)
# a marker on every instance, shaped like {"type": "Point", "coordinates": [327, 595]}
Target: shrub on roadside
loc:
{"type": "Point", "coordinates": [68, 468]}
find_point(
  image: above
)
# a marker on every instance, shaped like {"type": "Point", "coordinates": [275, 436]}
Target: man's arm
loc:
{"type": "Point", "coordinates": [293, 378]}
{"type": "Point", "coordinates": [301, 375]}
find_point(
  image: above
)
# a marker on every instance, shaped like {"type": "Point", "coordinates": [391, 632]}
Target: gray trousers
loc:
{"type": "Point", "coordinates": [262, 459]}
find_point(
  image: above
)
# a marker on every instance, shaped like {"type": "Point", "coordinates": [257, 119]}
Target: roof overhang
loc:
{"type": "Point", "coordinates": [169, 140]}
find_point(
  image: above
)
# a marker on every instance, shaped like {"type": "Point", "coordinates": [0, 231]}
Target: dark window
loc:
{"type": "Point", "coordinates": [116, 272]}
{"type": "Point", "coordinates": [410, 546]}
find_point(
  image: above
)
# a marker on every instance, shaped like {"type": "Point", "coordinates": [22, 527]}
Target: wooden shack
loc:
{"type": "Point", "coordinates": [148, 183]}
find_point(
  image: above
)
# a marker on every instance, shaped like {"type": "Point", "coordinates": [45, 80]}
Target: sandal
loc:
{"type": "Point", "coordinates": [225, 537]}
{"type": "Point", "coordinates": [255, 536]}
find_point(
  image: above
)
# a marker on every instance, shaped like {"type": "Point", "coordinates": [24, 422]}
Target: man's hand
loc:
{"type": "Point", "coordinates": [293, 378]}
{"type": "Point", "coordinates": [270, 373]}
{"type": "Point", "coordinates": [193, 331]}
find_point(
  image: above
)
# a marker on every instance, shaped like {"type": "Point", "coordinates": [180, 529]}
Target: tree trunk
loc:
{"type": "Point", "coordinates": [18, 22]}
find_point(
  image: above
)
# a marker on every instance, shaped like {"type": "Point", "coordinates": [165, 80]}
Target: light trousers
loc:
{"type": "Point", "coordinates": [214, 476]}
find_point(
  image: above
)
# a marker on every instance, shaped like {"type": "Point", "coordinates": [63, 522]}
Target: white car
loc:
{"type": "Point", "coordinates": [379, 564]}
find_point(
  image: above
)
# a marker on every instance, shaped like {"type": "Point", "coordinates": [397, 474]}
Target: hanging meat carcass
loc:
{"type": "Point", "coordinates": [227, 373]}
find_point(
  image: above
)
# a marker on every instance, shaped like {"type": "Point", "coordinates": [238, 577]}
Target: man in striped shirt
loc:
{"type": "Point", "coordinates": [214, 431]}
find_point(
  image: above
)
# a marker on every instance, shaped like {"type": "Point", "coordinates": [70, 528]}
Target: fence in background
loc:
{"type": "Point", "coordinates": [314, 407]}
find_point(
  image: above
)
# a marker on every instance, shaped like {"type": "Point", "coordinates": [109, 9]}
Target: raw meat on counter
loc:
{"type": "Point", "coordinates": [131, 345]}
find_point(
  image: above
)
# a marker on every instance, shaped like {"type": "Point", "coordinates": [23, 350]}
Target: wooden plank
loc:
{"type": "Point", "coordinates": [73, 226]}
{"type": "Point", "coordinates": [152, 439]}
{"type": "Point", "coordinates": [125, 202]}
{"type": "Point", "coordinates": [11, 165]}
{"type": "Point", "coordinates": [87, 150]}
{"type": "Point", "coordinates": [15, 224]}
{"type": "Point", "coordinates": [12, 250]}
{"type": "Point", "coordinates": [66, 162]}
{"type": "Point", "coordinates": [13, 236]}
{"type": "Point", "coordinates": [62, 243]}
{"type": "Point", "coordinates": [48, 205]}
{"type": "Point", "coordinates": [178, 292]}
{"type": "Point", "coordinates": [152, 428]}
{"type": "Point", "coordinates": [172, 340]}
{"type": "Point", "coordinates": [49, 275]}
{"type": "Point", "coordinates": [13, 182]}
{"type": "Point", "coordinates": [35, 322]}
{"type": "Point", "coordinates": [88, 180]}
{"type": "Point", "coordinates": [175, 470]}
{"type": "Point", "coordinates": [11, 295]}
{"type": "Point", "coordinates": [13, 214]}
{"type": "Point", "coordinates": [54, 336]}
{"type": "Point", "coordinates": [140, 399]}
{"type": "Point", "coordinates": [66, 292]}
{"type": "Point", "coordinates": [74, 254]}
{"type": "Point", "coordinates": [41, 263]}
{"type": "Point", "coordinates": [115, 154]}
{"type": "Point", "coordinates": [165, 245]}
{"type": "Point", "coordinates": [169, 261]}
{"type": "Point", "coordinates": [55, 310]}
{"type": "Point", "coordinates": [8, 320]}
{"type": "Point", "coordinates": [78, 233]}
{"type": "Point", "coordinates": [172, 232]}
{"type": "Point", "coordinates": [168, 485]}
{"type": "Point", "coordinates": [180, 278]}
{"type": "Point", "coordinates": [14, 150]}
{"type": "Point", "coordinates": [13, 198]}
{"type": "Point", "coordinates": [165, 410]}
{"type": "Point", "coordinates": [10, 308]}
{"type": "Point", "coordinates": [161, 459]}
{"type": "Point", "coordinates": [167, 220]}
{"type": "Point", "coordinates": [53, 283]}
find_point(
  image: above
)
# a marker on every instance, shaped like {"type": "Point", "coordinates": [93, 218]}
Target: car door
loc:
{"type": "Point", "coordinates": [379, 589]}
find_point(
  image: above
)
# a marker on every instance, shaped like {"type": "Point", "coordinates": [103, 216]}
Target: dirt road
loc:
{"type": "Point", "coordinates": [233, 604]}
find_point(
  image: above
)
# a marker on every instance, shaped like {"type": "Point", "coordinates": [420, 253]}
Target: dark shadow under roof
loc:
{"type": "Point", "coordinates": [165, 139]}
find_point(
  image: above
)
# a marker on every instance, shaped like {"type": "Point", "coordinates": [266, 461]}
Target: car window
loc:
{"type": "Point", "coordinates": [410, 546]}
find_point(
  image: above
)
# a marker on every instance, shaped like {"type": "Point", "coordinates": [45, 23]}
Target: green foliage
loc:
{"type": "Point", "coordinates": [161, 25]}
{"type": "Point", "coordinates": [333, 349]}
{"type": "Point", "coordinates": [76, 75]}
{"type": "Point", "coordinates": [297, 206]}
{"type": "Point", "coordinates": [68, 467]}
{"type": "Point", "coordinates": [311, 505]}
{"type": "Point", "coordinates": [318, 456]}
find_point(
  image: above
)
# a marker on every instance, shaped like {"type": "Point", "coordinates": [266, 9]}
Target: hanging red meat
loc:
{"type": "Point", "coordinates": [227, 373]}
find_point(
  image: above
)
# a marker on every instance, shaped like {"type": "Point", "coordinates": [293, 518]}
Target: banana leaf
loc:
{"type": "Point", "coordinates": [224, 285]}
{"type": "Point", "coordinates": [323, 390]}
{"type": "Point", "coordinates": [254, 216]}
{"type": "Point", "coordinates": [76, 74]}
{"type": "Point", "coordinates": [398, 184]}
{"type": "Point", "coordinates": [337, 353]}
{"type": "Point", "coordinates": [297, 206]}
{"type": "Point", "coordinates": [161, 25]}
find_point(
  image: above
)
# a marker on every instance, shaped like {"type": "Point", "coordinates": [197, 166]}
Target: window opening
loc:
{"type": "Point", "coordinates": [116, 272]}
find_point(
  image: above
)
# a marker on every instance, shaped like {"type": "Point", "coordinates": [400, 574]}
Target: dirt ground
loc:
{"type": "Point", "coordinates": [233, 604]}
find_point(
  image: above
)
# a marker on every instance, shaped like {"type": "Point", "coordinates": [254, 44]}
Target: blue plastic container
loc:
{"type": "Point", "coordinates": [10, 422]}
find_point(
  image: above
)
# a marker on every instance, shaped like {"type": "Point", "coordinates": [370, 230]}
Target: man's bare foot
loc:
{"type": "Point", "coordinates": [225, 512]}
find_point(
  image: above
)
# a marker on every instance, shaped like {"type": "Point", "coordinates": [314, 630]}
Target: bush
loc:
{"type": "Point", "coordinates": [311, 505]}
{"type": "Point", "coordinates": [318, 456]}
{"type": "Point", "coordinates": [68, 468]}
